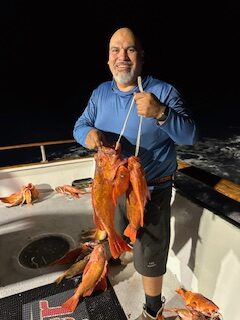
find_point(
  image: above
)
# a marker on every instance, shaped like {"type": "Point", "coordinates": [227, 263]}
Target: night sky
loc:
{"type": "Point", "coordinates": [51, 59]}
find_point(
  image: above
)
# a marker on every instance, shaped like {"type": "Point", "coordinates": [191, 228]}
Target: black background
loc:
{"type": "Point", "coordinates": [53, 55]}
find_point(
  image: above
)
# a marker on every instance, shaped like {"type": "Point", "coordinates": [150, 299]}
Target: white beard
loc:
{"type": "Point", "coordinates": [124, 77]}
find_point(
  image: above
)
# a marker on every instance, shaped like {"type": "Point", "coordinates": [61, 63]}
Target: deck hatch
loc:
{"type": "Point", "coordinates": [44, 250]}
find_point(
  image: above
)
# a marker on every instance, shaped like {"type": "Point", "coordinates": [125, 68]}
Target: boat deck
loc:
{"type": "Point", "coordinates": [55, 215]}
{"type": "Point", "coordinates": [204, 242]}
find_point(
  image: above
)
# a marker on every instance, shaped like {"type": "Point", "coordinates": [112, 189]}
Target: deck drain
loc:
{"type": "Point", "coordinates": [43, 251]}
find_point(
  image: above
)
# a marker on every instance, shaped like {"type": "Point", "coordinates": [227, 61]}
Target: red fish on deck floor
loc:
{"type": "Point", "coordinates": [94, 277]}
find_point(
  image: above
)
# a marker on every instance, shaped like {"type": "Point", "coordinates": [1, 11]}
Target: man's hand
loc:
{"type": "Point", "coordinates": [148, 105]}
{"type": "Point", "coordinates": [95, 139]}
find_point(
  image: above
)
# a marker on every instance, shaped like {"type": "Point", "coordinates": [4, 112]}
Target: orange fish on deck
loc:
{"type": "Point", "coordinates": [137, 197]}
{"type": "Point", "coordinates": [94, 277]}
{"type": "Point", "coordinates": [27, 194]}
{"type": "Point", "coordinates": [196, 301]}
{"type": "Point", "coordinates": [70, 191]}
{"type": "Point", "coordinates": [105, 190]}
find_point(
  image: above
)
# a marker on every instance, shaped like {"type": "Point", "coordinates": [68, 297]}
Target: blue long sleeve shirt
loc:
{"type": "Point", "coordinates": [107, 109]}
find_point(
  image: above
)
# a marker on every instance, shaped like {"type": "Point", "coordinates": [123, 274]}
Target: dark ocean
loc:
{"type": "Point", "coordinates": [217, 150]}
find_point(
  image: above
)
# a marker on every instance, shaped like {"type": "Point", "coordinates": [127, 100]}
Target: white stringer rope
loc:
{"type": "Point", "coordinates": [126, 120]}
{"type": "Point", "coordinates": [140, 121]}
{"type": "Point", "coordinates": [124, 125]}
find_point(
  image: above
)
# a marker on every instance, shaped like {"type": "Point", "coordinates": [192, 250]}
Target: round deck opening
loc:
{"type": "Point", "coordinates": [41, 252]}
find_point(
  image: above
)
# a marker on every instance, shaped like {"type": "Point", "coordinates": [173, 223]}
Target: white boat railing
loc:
{"type": "Point", "coordinates": [222, 185]}
{"type": "Point", "coordinates": [40, 145]}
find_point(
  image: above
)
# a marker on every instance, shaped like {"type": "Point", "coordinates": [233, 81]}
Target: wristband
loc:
{"type": "Point", "coordinates": [163, 115]}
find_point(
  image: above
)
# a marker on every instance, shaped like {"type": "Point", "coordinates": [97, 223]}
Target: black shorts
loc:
{"type": "Point", "coordinates": [152, 245]}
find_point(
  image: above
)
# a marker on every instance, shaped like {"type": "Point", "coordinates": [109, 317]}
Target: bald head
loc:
{"type": "Point", "coordinates": [127, 35]}
{"type": "Point", "coordinates": [125, 58]}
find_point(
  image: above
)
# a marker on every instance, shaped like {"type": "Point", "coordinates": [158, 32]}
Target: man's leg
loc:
{"type": "Point", "coordinates": [152, 286]}
{"type": "Point", "coordinates": [151, 251]}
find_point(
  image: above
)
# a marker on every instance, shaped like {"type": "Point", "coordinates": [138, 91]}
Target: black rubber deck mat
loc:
{"type": "Point", "coordinates": [44, 303]}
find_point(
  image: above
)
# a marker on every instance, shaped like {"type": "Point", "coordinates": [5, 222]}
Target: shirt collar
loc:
{"type": "Point", "coordinates": [114, 87]}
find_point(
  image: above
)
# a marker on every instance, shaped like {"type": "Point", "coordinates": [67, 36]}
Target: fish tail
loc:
{"type": "Point", "coordinates": [131, 233]}
{"type": "Point", "coordinates": [6, 201]}
{"type": "Point", "coordinates": [117, 246]}
{"type": "Point", "coordinates": [71, 303]}
{"type": "Point", "coordinates": [13, 199]}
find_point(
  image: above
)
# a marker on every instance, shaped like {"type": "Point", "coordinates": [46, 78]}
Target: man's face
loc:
{"type": "Point", "coordinates": [125, 57]}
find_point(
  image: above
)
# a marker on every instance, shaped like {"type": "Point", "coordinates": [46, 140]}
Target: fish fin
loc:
{"type": "Point", "coordinates": [181, 291]}
{"type": "Point", "coordinates": [60, 278]}
{"type": "Point", "coordinates": [117, 246]}
{"type": "Point", "coordinates": [69, 257]}
{"type": "Point", "coordinates": [28, 197]}
{"type": "Point", "coordinates": [142, 218]}
{"type": "Point", "coordinates": [114, 196]}
{"type": "Point", "coordinates": [131, 233]}
{"type": "Point", "coordinates": [88, 292]}
{"type": "Point", "coordinates": [71, 303]}
{"type": "Point", "coordinates": [101, 285]}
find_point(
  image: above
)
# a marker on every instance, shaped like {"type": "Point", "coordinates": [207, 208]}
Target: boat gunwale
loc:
{"type": "Point", "coordinates": [223, 186]}
{"type": "Point", "coordinates": [48, 163]}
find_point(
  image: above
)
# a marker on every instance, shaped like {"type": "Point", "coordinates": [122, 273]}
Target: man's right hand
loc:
{"type": "Point", "coordinates": [94, 139]}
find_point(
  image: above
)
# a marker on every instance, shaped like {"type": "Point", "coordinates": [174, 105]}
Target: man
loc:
{"type": "Point", "coordinates": [165, 122]}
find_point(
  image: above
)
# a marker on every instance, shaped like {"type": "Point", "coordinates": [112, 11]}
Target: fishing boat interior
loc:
{"type": "Point", "coordinates": [204, 254]}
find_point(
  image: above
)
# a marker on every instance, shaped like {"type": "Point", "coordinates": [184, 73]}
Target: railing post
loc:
{"type": "Point", "coordinates": [44, 158]}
